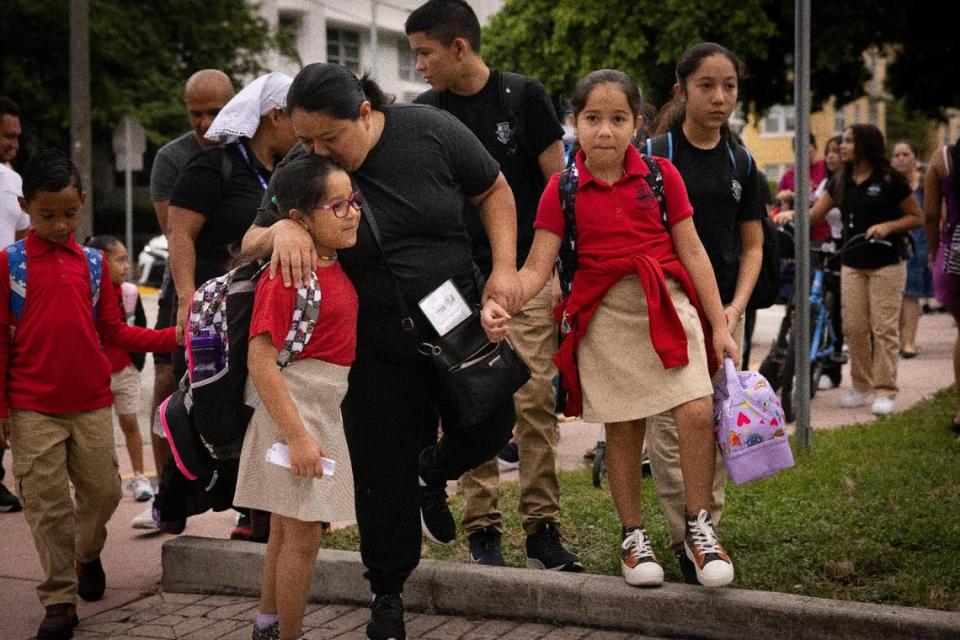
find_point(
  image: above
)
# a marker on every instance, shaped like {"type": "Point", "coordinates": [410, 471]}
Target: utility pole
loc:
{"type": "Point", "coordinates": [80, 134]}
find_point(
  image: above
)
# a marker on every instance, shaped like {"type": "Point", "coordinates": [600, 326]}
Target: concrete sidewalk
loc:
{"type": "Point", "coordinates": [132, 559]}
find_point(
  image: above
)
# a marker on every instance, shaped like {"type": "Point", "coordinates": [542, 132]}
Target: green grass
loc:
{"type": "Point", "coordinates": [871, 514]}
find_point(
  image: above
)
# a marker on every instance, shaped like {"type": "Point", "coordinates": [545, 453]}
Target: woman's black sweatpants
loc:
{"type": "Point", "coordinates": [387, 407]}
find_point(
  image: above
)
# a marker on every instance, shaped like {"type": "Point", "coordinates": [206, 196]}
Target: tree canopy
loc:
{"type": "Point", "coordinates": [558, 41]}
{"type": "Point", "coordinates": [140, 55]}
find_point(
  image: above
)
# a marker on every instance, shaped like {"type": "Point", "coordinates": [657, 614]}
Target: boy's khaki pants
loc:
{"type": "Point", "coordinates": [49, 452]}
{"type": "Point", "coordinates": [663, 448]}
{"type": "Point", "coordinates": [533, 334]}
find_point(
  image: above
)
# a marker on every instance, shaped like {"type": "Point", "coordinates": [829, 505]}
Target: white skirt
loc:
{"type": "Point", "coordinates": [317, 388]}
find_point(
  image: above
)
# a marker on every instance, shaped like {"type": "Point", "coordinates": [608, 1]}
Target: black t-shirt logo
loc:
{"type": "Point", "coordinates": [503, 132]}
{"type": "Point", "coordinates": [736, 189]}
{"type": "Point", "coordinates": [874, 190]}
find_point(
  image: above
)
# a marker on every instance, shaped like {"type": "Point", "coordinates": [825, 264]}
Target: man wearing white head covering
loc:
{"type": "Point", "coordinates": [216, 197]}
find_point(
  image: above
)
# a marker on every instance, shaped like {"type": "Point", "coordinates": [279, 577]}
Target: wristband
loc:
{"type": "Point", "coordinates": [736, 308]}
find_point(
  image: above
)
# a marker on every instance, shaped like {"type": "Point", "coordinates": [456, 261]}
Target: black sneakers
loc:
{"type": "Point", "coordinates": [91, 581]}
{"type": "Point", "coordinates": [545, 550]}
{"type": "Point", "coordinates": [485, 547]}
{"type": "Point", "coordinates": [435, 517]}
{"type": "Point", "coordinates": [8, 502]}
{"type": "Point", "coordinates": [386, 618]}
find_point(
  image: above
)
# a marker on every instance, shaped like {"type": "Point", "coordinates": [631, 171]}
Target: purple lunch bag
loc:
{"type": "Point", "coordinates": [749, 425]}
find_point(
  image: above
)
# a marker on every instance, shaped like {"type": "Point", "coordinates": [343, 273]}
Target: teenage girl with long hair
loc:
{"type": "Point", "coordinates": [727, 209]}
{"type": "Point", "coordinates": [874, 199]}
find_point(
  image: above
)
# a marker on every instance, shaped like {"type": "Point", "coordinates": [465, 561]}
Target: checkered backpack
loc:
{"type": "Point", "coordinates": [209, 408]}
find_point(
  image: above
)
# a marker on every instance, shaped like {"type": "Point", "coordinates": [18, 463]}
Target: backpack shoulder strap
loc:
{"type": "Point", "coordinates": [661, 145]}
{"type": "Point", "coordinates": [740, 158]}
{"type": "Point", "coordinates": [303, 323]}
{"type": "Point", "coordinates": [95, 268]}
{"type": "Point", "coordinates": [512, 95]}
{"type": "Point", "coordinates": [567, 185]}
{"type": "Point", "coordinates": [654, 180]}
{"type": "Point", "coordinates": [17, 268]}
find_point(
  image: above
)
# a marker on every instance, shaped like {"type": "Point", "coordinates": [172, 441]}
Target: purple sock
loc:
{"type": "Point", "coordinates": [264, 620]}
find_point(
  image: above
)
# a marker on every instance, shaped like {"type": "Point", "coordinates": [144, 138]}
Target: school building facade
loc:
{"type": "Point", "coordinates": [363, 35]}
{"type": "Point", "coordinates": [770, 135]}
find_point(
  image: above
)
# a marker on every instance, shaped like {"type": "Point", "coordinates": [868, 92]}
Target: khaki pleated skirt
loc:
{"type": "Point", "coordinates": [317, 388]}
{"type": "Point", "coordinates": [621, 375]}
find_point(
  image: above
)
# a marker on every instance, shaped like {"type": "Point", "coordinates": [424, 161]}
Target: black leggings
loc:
{"type": "Point", "coordinates": [387, 408]}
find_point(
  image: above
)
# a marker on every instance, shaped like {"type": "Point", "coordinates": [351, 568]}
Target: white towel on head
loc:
{"type": "Point", "coordinates": [241, 116]}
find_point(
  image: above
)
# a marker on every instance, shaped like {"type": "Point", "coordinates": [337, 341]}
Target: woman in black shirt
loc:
{"type": "Point", "coordinates": [874, 200]}
{"type": "Point", "coordinates": [415, 165]}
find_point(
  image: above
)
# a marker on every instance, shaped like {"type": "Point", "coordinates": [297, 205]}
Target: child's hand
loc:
{"type": "Point", "coordinates": [180, 339]}
{"type": "Point", "coordinates": [723, 344]}
{"type": "Point", "coordinates": [493, 319]}
{"type": "Point", "coordinates": [5, 433]}
{"type": "Point", "coordinates": [305, 456]}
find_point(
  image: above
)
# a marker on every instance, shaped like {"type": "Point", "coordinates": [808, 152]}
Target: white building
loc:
{"type": "Point", "coordinates": [343, 32]}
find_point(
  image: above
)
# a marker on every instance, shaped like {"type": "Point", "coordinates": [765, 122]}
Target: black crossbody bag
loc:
{"type": "Point", "coordinates": [477, 376]}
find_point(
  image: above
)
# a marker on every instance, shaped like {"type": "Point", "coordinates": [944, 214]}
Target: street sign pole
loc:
{"type": "Point", "coordinates": [128, 184]}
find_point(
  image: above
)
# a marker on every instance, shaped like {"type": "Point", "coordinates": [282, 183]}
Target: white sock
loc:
{"type": "Point", "coordinates": [264, 620]}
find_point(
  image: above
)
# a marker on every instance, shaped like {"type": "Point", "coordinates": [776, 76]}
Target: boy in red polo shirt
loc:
{"type": "Point", "coordinates": [55, 394]}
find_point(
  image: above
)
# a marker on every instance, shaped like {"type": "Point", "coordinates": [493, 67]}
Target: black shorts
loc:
{"type": "Point", "coordinates": [166, 312]}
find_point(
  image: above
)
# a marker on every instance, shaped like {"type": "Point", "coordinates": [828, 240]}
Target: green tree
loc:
{"type": "Point", "coordinates": [557, 41]}
{"type": "Point", "coordinates": [140, 55]}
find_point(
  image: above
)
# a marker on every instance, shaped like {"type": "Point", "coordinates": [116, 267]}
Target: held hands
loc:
{"type": "Point", "coordinates": [305, 456]}
{"type": "Point", "coordinates": [733, 317]}
{"type": "Point", "coordinates": [493, 319]}
{"type": "Point", "coordinates": [504, 287]}
{"type": "Point", "coordinates": [5, 433]}
{"type": "Point", "coordinates": [294, 254]}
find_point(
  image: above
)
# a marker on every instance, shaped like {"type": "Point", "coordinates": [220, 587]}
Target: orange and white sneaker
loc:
{"type": "Point", "coordinates": [637, 560]}
{"type": "Point", "coordinates": [703, 548]}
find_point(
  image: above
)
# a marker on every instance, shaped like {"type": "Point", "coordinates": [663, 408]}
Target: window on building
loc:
{"type": "Point", "coordinates": [407, 62]}
{"type": "Point", "coordinates": [343, 48]}
{"type": "Point", "coordinates": [781, 120]}
{"type": "Point", "coordinates": [289, 25]}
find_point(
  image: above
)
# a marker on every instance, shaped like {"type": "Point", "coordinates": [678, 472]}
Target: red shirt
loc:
{"type": "Point", "coordinates": [619, 233]}
{"type": "Point", "coordinates": [818, 171]}
{"type": "Point", "coordinates": [334, 339]}
{"type": "Point", "coordinates": [119, 358]}
{"type": "Point", "coordinates": [54, 363]}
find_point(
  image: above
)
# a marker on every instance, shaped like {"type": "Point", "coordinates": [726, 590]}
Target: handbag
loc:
{"type": "Point", "coordinates": [476, 376]}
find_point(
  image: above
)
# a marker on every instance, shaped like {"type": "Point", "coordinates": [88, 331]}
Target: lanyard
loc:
{"type": "Point", "coordinates": [243, 151]}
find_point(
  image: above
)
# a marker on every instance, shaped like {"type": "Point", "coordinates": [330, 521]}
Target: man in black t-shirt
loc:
{"type": "Point", "coordinates": [513, 118]}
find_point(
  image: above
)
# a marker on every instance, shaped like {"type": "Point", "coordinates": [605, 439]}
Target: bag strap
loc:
{"type": "Point", "coordinates": [303, 323]}
{"type": "Point", "coordinates": [661, 145]}
{"type": "Point", "coordinates": [567, 257]}
{"type": "Point", "coordinates": [407, 321]}
{"type": "Point", "coordinates": [654, 179]}
{"type": "Point", "coordinates": [17, 268]}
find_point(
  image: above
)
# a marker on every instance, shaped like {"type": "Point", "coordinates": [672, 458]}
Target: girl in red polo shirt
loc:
{"type": "Point", "coordinates": [300, 404]}
{"type": "Point", "coordinates": [643, 322]}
